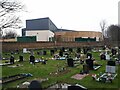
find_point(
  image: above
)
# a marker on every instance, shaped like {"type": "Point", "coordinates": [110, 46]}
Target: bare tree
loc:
{"type": "Point", "coordinates": [103, 26]}
{"type": "Point", "coordinates": [10, 34]}
{"type": "Point", "coordinates": [8, 14]}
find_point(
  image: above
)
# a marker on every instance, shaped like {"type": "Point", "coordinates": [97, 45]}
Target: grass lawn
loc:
{"type": "Point", "coordinates": [40, 71]}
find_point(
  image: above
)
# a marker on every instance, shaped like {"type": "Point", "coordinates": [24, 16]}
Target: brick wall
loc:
{"type": "Point", "coordinates": [6, 46]}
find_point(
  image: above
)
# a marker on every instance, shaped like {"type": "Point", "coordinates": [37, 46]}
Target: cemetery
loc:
{"type": "Point", "coordinates": [86, 67]}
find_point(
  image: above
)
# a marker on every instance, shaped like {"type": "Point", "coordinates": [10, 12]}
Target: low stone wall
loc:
{"type": "Point", "coordinates": [6, 46]}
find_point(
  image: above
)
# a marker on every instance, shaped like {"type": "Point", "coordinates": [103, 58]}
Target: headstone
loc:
{"type": "Point", "coordinates": [12, 59]}
{"type": "Point", "coordinates": [82, 57]}
{"type": "Point", "coordinates": [17, 51]}
{"type": "Point", "coordinates": [61, 53]}
{"type": "Point", "coordinates": [20, 58]}
{"type": "Point", "coordinates": [89, 55]}
{"type": "Point", "coordinates": [63, 49]}
{"type": "Point", "coordinates": [102, 57]}
{"type": "Point", "coordinates": [70, 49]}
{"type": "Point", "coordinates": [107, 57]}
{"type": "Point", "coordinates": [70, 62]}
{"type": "Point", "coordinates": [38, 53]}
{"type": "Point", "coordinates": [113, 51]}
{"type": "Point", "coordinates": [32, 59]}
{"type": "Point", "coordinates": [52, 52]}
{"type": "Point", "coordinates": [78, 50]}
{"type": "Point", "coordinates": [107, 54]}
{"type": "Point", "coordinates": [110, 67]}
{"type": "Point", "coordinates": [85, 69]}
{"type": "Point", "coordinates": [35, 85]}
{"type": "Point", "coordinates": [44, 52]}
{"type": "Point", "coordinates": [24, 50]}
{"type": "Point", "coordinates": [84, 50]}
{"type": "Point", "coordinates": [89, 62]}
{"type": "Point", "coordinates": [76, 88]}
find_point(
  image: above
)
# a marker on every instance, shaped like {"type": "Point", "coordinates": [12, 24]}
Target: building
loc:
{"type": "Point", "coordinates": [75, 35]}
{"type": "Point", "coordinates": [45, 30]}
{"type": "Point", "coordinates": [42, 28]}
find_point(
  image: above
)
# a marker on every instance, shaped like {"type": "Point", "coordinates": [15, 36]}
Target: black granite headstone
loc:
{"type": "Point", "coordinates": [32, 59]}
{"type": "Point", "coordinates": [17, 51]}
{"type": "Point", "coordinates": [35, 85]}
{"type": "Point", "coordinates": [12, 59]}
{"type": "Point", "coordinates": [85, 50]}
{"type": "Point", "coordinates": [76, 88]}
{"type": "Point", "coordinates": [70, 62]}
{"type": "Point", "coordinates": [20, 58]}
{"type": "Point", "coordinates": [61, 53]}
{"type": "Point", "coordinates": [102, 57]}
{"type": "Point", "coordinates": [78, 50]}
{"type": "Point", "coordinates": [89, 55]}
{"type": "Point", "coordinates": [44, 52]}
{"type": "Point", "coordinates": [52, 52]}
{"type": "Point", "coordinates": [89, 62]}
{"type": "Point", "coordinates": [111, 63]}
{"type": "Point", "coordinates": [114, 51]}
{"type": "Point", "coordinates": [70, 49]}
{"type": "Point", "coordinates": [63, 49]}
{"type": "Point", "coordinates": [38, 53]}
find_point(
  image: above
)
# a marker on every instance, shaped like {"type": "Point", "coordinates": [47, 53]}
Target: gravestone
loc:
{"type": "Point", "coordinates": [102, 57]}
{"type": "Point", "coordinates": [38, 53]}
{"type": "Point", "coordinates": [78, 50]}
{"type": "Point", "coordinates": [84, 50]}
{"type": "Point", "coordinates": [61, 53]}
{"type": "Point", "coordinates": [70, 62]}
{"type": "Point", "coordinates": [73, 87]}
{"type": "Point", "coordinates": [85, 69]}
{"type": "Point", "coordinates": [89, 62]}
{"type": "Point", "coordinates": [89, 55]}
{"type": "Point", "coordinates": [32, 59]}
{"type": "Point", "coordinates": [44, 52]}
{"type": "Point", "coordinates": [12, 59]}
{"type": "Point", "coordinates": [70, 49]}
{"type": "Point", "coordinates": [17, 51]}
{"type": "Point", "coordinates": [110, 67]}
{"type": "Point", "coordinates": [52, 52]}
{"type": "Point", "coordinates": [35, 85]}
{"type": "Point", "coordinates": [20, 58]}
{"type": "Point", "coordinates": [113, 51]}
{"type": "Point", "coordinates": [24, 50]}
{"type": "Point", "coordinates": [63, 49]}
{"type": "Point", "coordinates": [107, 57]}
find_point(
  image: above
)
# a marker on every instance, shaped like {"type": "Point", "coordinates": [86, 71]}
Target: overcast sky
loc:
{"type": "Point", "coordinates": [73, 14]}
